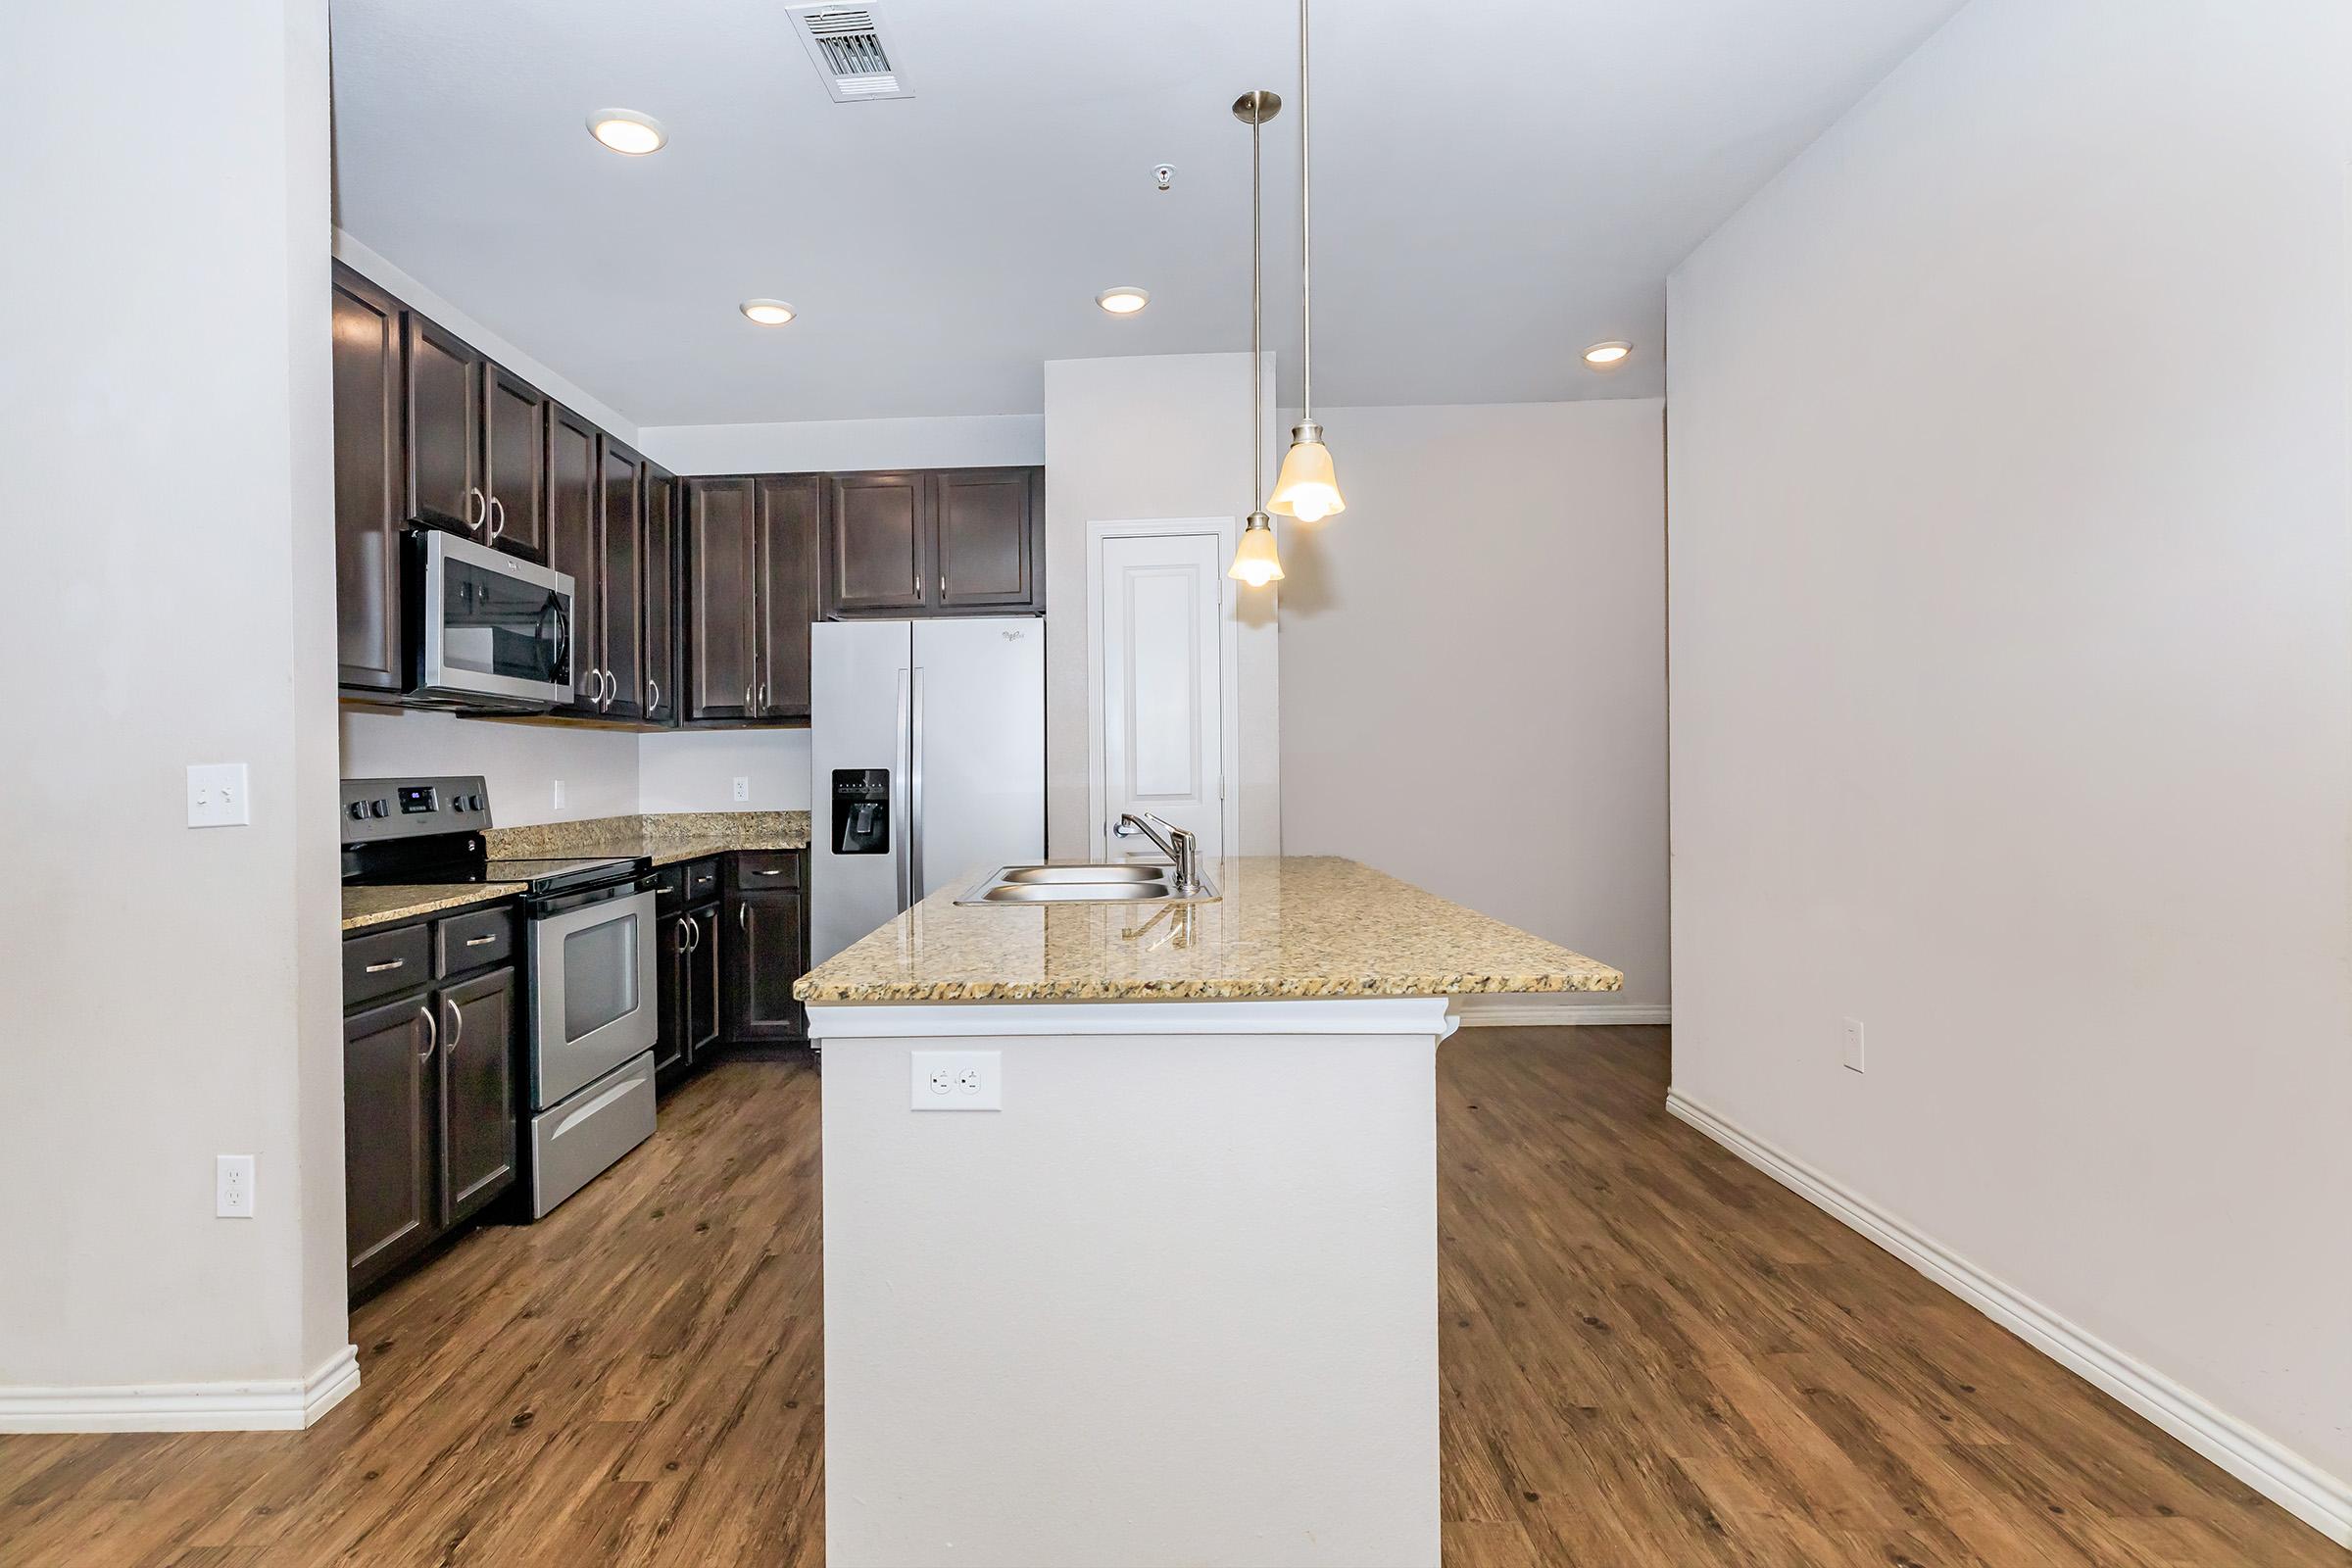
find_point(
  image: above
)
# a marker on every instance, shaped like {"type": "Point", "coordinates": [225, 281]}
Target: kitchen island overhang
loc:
{"type": "Point", "coordinates": [1175, 1301]}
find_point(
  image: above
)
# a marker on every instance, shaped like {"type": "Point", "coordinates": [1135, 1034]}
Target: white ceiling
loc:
{"type": "Point", "coordinates": [1496, 186]}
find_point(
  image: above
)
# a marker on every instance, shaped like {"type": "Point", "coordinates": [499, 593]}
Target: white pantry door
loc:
{"type": "Point", "coordinates": [1162, 687]}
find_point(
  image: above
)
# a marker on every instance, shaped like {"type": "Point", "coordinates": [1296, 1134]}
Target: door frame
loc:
{"type": "Point", "coordinates": [1229, 649]}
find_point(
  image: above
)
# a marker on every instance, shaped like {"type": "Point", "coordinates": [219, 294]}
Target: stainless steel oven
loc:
{"type": "Point", "coordinates": [593, 1022]}
{"type": "Point", "coordinates": [490, 631]}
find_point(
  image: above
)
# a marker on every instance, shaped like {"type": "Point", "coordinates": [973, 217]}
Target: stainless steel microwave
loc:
{"type": "Point", "coordinates": [490, 632]}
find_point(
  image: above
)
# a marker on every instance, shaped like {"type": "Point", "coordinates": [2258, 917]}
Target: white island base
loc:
{"type": "Point", "coordinates": [1176, 1303]}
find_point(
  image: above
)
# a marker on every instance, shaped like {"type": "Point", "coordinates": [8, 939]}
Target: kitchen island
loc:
{"type": "Point", "coordinates": [1159, 1287]}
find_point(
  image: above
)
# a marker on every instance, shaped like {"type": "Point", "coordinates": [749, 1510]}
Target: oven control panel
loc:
{"type": "Point", "coordinates": [380, 809]}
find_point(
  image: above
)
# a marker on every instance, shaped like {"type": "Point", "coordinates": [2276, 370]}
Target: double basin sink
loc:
{"type": "Point", "coordinates": [1129, 882]}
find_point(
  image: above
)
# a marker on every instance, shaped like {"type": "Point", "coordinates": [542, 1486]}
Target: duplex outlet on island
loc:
{"type": "Point", "coordinates": [958, 1080]}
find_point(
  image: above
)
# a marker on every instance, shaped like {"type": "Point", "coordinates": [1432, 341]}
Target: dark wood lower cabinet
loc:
{"type": "Point", "coordinates": [477, 1092]}
{"type": "Point", "coordinates": [388, 1211]}
{"type": "Point", "coordinates": [767, 949]}
{"type": "Point", "coordinates": [689, 963]}
{"type": "Point", "coordinates": [428, 1089]}
{"type": "Point", "coordinates": [702, 984]}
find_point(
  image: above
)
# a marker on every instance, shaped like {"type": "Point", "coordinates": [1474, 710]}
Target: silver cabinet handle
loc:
{"type": "Point", "coordinates": [433, 1034]}
{"type": "Point", "coordinates": [916, 588]}
{"type": "Point", "coordinates": [474, 493]}
{"type": "Point", "coordinates": [916, 886]}
{"type": "Point", "coordinates": [943, 587]}
{"type": "Point", "coordinates": [611, 685]}
{"type": "Point", "coordinates": [475, 942]}
{"type": "Point", "coordinates": [764, 694]}
{"type": "Point", "coordinates": [777, 872]}
{"type": "Point", "coordinates": [652, 695]}
{"type": "Point", "coordinates": [496, 512]}
{"type": "Point", "coordinates": [743, 913]}
{"type": "Point", "coordinates": [685, 936]}
{"type": "Point", "coordinates": [393, 963]}
{"type": "Point", "coordinates": [456, 1023]}
{"type": "Point", "coordinates": [747, 697]}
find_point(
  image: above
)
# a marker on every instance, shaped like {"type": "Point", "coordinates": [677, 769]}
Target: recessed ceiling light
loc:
{"type": "Point", "coordinates": [626, 131]}
{"type": "Point", "coordinates": [767, 313]}
{"type": "Point", "coordinates": [1607, 356]}
{"type": "Point", "coordinates": [1125, 300]}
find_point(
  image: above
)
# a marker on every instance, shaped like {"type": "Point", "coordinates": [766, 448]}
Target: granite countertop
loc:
{"type": "Point", "coordinates": [664, 838]}
{"type": "Point", "coordinates": [367, 906]}
{"type": "Point", "coordinates": [1285, 927]}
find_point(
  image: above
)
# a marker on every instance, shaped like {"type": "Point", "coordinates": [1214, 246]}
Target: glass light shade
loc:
{"type": "Point", "coordinates": [1254, 560]}
{"type": "Point", "coordinates": [1306, 488]}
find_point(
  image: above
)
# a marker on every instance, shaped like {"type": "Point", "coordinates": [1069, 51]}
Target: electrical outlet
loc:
{"type": "Point", "coordinates": [217, 795]}
{"type": "Point", "coordinates": [743, 789]}
{"type": "Point", "coordinates": [958, 1080]}
{"type": "Point", "coordinates": [232, 1186]}
{"type": "Point", "coordinates": [556, 796]}
{"type": "Point", "coordinates": [1852, 1047]}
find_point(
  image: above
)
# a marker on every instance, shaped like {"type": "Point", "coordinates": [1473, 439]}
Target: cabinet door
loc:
{"type": "Point", "coordinates": [660, 694]}
{"type": "Point", "coordinates": [720, 597]}
{"type": "Point", "coordinates": [876, 558]}
{"type": "Point", "coordinates": [477, 1092]}
{"type": "Point", "coordinates": [702, 981]}
{"type": "Point", "coordinates": [621, 586]}
{"type": "Point", "coordinates": [367, 484]}
{"type": "Point", "coordinates": [514, 463]}
{"type": "Point", "coordinates": [571, 543]}
{"type": "Point", "coordinates": [388, 1207]}
{"type": "Point", "coordinates": [763, 957]}
{"type": "Point", "coordinates": [789, 510]}
{"type": "Point", "coordinates": [444, 428]}
{"type": "Point", "coordinates": [987, 549]}
{"type": "Point", "coordinates": [674, 934]}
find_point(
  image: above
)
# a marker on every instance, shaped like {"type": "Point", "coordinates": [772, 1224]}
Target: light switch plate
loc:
{"type": "Point", "coordinates": [217, 795]}
{"type": "Point", "coordinates": [958, 1080]}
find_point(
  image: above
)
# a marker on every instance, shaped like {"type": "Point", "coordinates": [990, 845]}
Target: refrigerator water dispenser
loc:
{"type": "Point", "coordinates": [861, 810]}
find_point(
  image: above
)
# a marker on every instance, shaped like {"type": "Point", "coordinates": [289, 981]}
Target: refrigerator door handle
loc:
{"type": "Point", "coordinates": [900, 861]}
{"type": "Point", "coordinates": [916, 887]}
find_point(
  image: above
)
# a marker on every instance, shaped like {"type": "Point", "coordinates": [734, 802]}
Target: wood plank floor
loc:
{"type": "Point", "coordinates": [1652, 1356]}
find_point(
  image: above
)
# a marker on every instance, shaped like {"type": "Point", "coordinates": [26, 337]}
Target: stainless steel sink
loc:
{"type": "Point", "coordinates": [1126, 871]}
{"type": "Point", "coordinates": [1124, 883]}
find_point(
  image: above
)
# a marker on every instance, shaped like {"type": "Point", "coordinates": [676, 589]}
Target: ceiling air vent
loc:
{"type": "Point", "coordinates": [847, 44]}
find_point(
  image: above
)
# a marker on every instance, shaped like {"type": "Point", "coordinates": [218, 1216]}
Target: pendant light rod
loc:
{"type": "Point", "coordinates": [1256, 560]}
{"type": "Point", "coordinates": [1306, 238]}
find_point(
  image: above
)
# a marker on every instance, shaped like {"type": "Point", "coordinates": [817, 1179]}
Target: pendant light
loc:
{"type": "Point", "coordinates": [1307, 488]}
{"type": "Point", "coordinates": [1254, 560]}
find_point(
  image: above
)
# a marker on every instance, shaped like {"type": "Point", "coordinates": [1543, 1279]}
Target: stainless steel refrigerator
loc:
{"type": "Point", "coordinates": [928, 755]}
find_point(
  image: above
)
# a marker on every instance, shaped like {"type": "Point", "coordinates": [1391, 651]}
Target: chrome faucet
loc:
{"type": "Point", "coordinates": [1178, 845]}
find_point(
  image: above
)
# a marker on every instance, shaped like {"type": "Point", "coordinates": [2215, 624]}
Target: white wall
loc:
{"type": "Point", "coordinates": [167, 995]}
{"type": "Point", "coordinates": [1152, 436]}
{"type": "Point", "coordinates": [1474, 668]}
{"type": "Point", "coordinates": [821, 446]}
{"type": "Point", "coordinates": [519, 761]}
{"type": "Point", "coordinates": [695, 770]}
{"type": "Point", "coordinates": [2012, 664]}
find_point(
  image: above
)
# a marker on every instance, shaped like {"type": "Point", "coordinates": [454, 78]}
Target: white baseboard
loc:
{"type": "Point", "coordinates": [2313, 1495]}
{"type": "Point", "coordinates": [1497, 1011]}
{"type": "Point", "coordinates": [279, 1406]}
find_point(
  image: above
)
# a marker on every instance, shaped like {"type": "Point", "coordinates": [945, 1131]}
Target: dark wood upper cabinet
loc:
{"type": "Point", "coordinates": [791, 510]}
{"type": "Point", "coordinates": [368, 485]}
{"type": "Point", "coordinates": [573, 547]}
{"type": "Point", "coordinates": [988, 527]}
{"type": "Point", "coordinates": [620, 589]}
{"type": "Point", "coordinates": [388, 1175]}
{"type": "Point", "coordinates": [476, 1088]}
{"type": "Point", "coordinates": [947, 542]}
{"type": "Point", "coordinates": [661, 488]}
{"type": "Point", "coordinates": [719, 599]}
{"type": "Point", "coordinates": [877, 559]}
{"type": "Point", "coordinates": [444, 428]}
{"type": "Point", "coordinates": [514, 463]}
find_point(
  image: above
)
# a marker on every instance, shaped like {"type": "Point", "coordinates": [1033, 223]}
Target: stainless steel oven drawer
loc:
{"type": "Point", "coordinates": [573, 1143]}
